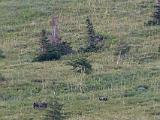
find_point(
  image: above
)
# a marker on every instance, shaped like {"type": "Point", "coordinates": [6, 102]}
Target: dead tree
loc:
{"type": "Point", "coordinates": [157, 2]}
{"type": "Point", "coordinates": [122, 51]}
{"type": "Point", "coordinates": [54, 37]}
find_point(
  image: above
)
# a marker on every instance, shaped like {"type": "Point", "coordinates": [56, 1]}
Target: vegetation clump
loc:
{"type": "Point", "coordinates": [51, 47]}
{"type": "Point", "coordinates": [81, 65]}
{"type": "Point", "coordinates": [159, 48]}
{"type": "Point", "coordinates": [47, 51]}
{"type": "Point", "coordinates": [156, 15]}
{"type": "Point", "coordinates": [55, 111]}
{"type": "Point", "coordinates": [1, 78]}
{"type": "Point", "coordinates": [2, 54]}
{"type": "Point", "coordinates": [148, 57]}
{"type": "Point", "coordinates": [95, 42]}
{"type": "Point", "coordinates": [122, 50]}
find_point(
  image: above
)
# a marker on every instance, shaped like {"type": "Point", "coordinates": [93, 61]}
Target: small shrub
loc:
{"type": "Point", "coordinates": [152, 22]}
{"type": "Point", "coordinates": [90, 49]}
{"type": "Point", "coordinates": [147, 57]}
{"type": "Point", "coordinates": [1, 54]}
{"type": "Point", "coordinates": [121, 51]}
{"type": "Point", "coordinates": [159, 48]}
{"type": "Point", "coordinates": [129, 93]}
{"type": "Point", "coordinates": [81, 65]}
{"type": "Point", "coordinates": [1, 78]}
{"type": "Point", "coordinates": [55, 111]}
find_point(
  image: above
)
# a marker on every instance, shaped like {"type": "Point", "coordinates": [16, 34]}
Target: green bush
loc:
{"type": "Point", "coordinates": [1, 77]}
{"type": "Point", "coordinates": [81, 65]}
{"type": "Point", "coordinates": [122, 49]}
{"type": "Point", "coordinates": [152, 22]}
{"type": "Point", "coordinates": [2, 54]}
{"type": "Point", "coordinates": [55, 111]}
{"type": "Point", "coordinates": [89, 49]}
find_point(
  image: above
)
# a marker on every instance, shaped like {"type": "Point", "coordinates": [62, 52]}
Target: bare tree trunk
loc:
{"type": "Point", "coordinates": [55, 38]}
{"type": "Point", "coordinates": [119, 58]}
{"type": "Point", "coordinates": [157, 2]}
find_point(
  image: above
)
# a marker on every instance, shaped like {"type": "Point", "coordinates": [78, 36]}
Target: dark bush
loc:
{"type": "Point", "coordinates": [159, 48]}
{"type": "Point", "coordinates": [90, 49]}
{"type": "Point", "coordinates": [95, 41]}
{"type": "Point", "coordinates": [122, 50]}
{"type": "Point", "coordinates": [152, 22]}
{"type": "Point", "coordinates": [1, 54]}
{"type": "Point", "coordinates": [63, 48]}
{"type": "Point", "coordinates": [81, 65]}
{"type": "Point", "coordinates": [1, 78]}
{"type": "Point", "coordinates": [50, 55]}
{"type": "Point", "coordinates": [55, 111]}
{"type": "Point", "coordinates": [156, 16]}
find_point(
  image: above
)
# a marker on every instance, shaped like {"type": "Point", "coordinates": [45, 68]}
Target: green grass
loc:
{"type": "Point", "coordinates": [20, 26]}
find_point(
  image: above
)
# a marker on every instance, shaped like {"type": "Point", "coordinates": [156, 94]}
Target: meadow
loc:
{"type": "Point", "coordinates": [26, 82]}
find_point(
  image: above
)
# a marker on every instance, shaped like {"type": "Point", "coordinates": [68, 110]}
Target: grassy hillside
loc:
{"type": "Point", "coordinates": [21, 22]}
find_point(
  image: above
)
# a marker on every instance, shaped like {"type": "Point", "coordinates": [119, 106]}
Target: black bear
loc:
{"type": "Point", "coordinates": [42, 105]}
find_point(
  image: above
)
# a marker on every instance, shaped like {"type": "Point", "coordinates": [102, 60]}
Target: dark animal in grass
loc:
{"type": "Point", "coordinates": [103, 98]}
{"type": "Point", "coordinates": [42, 105]}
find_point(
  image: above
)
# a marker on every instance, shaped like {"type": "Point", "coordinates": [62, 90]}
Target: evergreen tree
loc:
{"type": "Point", "coordinates": [157, 12]}
{"type": "Point", "coordinates": [55, 111]}
{"type": "Point", "coordinates": [94, 40]}
{"type": "Point", "coordinates": [51, 47]}
{"type": "Point", "coordinates": [47, 50]}
{"type": "Point", "coordinates": [156, 15]}
{"type": "Point", "coordinates": [91, 32]}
